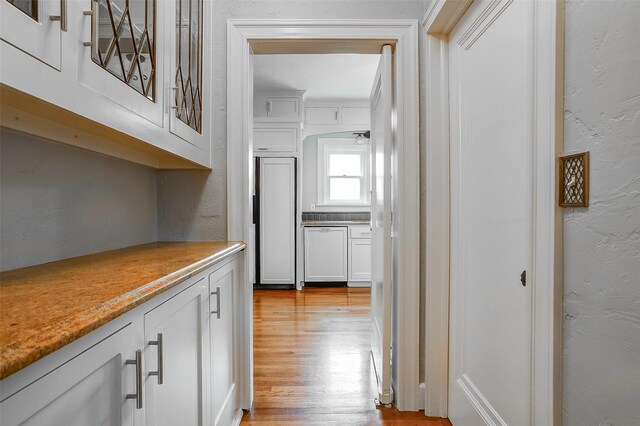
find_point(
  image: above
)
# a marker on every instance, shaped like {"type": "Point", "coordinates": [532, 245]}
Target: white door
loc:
{"type": "Point", "coordinates": [277, 220]}
{"type": "Point", "coordinates": [176, 342]}
{"type": "Point", "coordinates": [222, 284]}
{"type": "Point", "coordinates": [35, 28]}
{"type": "Point", "coordinates": [491, 87]}
{"type": "Point", "coordinates": [381, 253]}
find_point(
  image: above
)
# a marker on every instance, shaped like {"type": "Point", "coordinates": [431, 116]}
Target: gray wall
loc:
{"type": "Point", "coordinates": [601, 368]}
{"type": "Point", "coordinates": [193, 204]}
{"type": "Point", "coordinates": [58, 201]}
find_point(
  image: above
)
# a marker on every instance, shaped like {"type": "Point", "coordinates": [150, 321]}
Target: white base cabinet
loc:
{"type": "Point", "coordinates": [325, 254]}
{"type": "Point", "coordinates": [176, 347]}
{"type": "Point", "coordinates": [170, 361]}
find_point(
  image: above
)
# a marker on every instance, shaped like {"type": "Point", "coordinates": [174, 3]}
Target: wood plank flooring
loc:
{"type": "Point", "coordinates": [312, 363]}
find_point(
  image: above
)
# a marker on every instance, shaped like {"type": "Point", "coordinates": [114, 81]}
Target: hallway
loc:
{"type": "Point", "coordinates": [312, 361]}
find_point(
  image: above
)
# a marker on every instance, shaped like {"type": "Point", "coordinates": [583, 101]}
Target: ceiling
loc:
{"type": "Point", "coordinates": [323, 76]}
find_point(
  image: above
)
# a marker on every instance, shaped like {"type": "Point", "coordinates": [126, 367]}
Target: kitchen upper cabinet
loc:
{"type": "Point", "coordinates": [35, 27]}
{"type": "Point", "coordinates": [325, 254]}
{"type": "Point", "coordinates": [355, 116]}
{"type": "Point", "coordinates": [223, 287]}
{"type": "Point", "coordinates": [101, 385]}
{"type": "Point", "coordinates": [176, 347]}
{"type": "Point", "coordinates": [322, 115]}
{"type": "Point", "coordinates": [128, 78]}
{"type": "Point", "coordinates": [121, 56]}
{"type": "Point", "coordinates": [282, 137]}
{"type": "Point", "coordinates": [278, 107]}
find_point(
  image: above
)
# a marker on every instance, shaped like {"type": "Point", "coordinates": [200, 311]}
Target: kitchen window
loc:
{"type": "Point", "coordinates": [343, 173]}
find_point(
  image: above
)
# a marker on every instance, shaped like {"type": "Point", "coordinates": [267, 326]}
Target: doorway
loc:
{"type": "Point", "coordinates": [248, 37]}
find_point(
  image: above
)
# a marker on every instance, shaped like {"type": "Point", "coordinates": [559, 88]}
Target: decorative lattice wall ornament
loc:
{"type": "Point", "coordinates": [574, 180]}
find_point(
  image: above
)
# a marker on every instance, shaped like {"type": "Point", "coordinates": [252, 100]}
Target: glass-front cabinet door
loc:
{"type": "Point", "coordinates": [123, 55]}
{"type": "Point", "coordinates": [35, 26]}
{"type": "Point", "coordinates": [186, 116]}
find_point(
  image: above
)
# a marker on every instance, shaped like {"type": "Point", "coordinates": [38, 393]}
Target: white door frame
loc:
{"type": "Point", "coordinates": [337, 35]}
{"type": "Point", "coordinates": [437, 24]}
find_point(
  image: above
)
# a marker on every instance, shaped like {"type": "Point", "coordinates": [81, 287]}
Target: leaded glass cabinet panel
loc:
{"type": "Point", "coordinates": [188, 72]}
{"type": "Point", "coordinates": [124, 42]}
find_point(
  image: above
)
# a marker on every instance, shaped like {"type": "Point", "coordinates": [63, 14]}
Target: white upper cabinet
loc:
{"type": "Point", "coordinates": [355, 115]}
{"type": "Point", "coordinates": [322, 115]}
{"type": "Point", "coordinates": [276, 137]}
{"type": "Point", "coordinates": [281, 107]}
{"type": "Point", "coordinates": [34, 27]}
{"type": "Point", "coordinates": [127, 78]}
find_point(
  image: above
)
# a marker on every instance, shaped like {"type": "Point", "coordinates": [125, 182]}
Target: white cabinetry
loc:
{"type": "Point", "coordinates": [282, 137]}
{"type": "Point", "coordinates": [359, 255]}
{"type": "Point", "coordinates": [35, 28]}
{"type": "Point", "coordinates": [321, 115]}
{"type": "Point", "coordinates": [279, 107]}
{"type": "Point", "coordinates": [223, 287]}
{"type": "Point", "coordinates": [176, 346]}
{"type": "Point", "coordinates": [170, 361]}
{"type": "Point", "coordinates": [91, 388]}
{"type": "Point", "coordinates": [65, 76]}
{"type": "Point", "coordinates": [355, 116]}
{"type": "Point", "coordinates": [325, 254]}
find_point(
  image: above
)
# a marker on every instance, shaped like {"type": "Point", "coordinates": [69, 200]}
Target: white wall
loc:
{"type": "Point", "coordinates": [601, 368]}
{"type": "Point", "coordinates": [58, 201]}
{"type": "Point", "coordinates": [310, 174]}
{"type": "Point", "coordinates": [200, 213]}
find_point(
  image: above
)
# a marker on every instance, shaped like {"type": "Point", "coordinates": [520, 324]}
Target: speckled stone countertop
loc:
{"type": "Point", "coordinates": [45, 307]}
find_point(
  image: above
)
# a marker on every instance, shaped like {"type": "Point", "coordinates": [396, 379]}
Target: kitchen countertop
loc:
{"type": "Point", "coordinates": [335, 222]}
{"type": "Point", "coordinates": [45, 307]}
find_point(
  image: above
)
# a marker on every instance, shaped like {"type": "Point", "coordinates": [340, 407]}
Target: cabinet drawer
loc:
{"type": "Point", "coordinates": [275, 140]}
{"type": "Point", "coordinates": [321, 115]}
{"type": "Point", "coordinates": [360, 232]}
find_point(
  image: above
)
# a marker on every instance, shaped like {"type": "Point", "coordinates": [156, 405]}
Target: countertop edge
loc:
{"type": "Point", "coordinates": [104, 313]}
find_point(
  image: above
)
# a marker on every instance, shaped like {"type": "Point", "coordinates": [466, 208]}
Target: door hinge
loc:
{"type": "Point", "coordinates": [523, 278]}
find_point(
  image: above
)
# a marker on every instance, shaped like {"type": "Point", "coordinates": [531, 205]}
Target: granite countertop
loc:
{"type": "Point", "coordinates": [335, 222]}
{"type": "Point", "coordinates": [45, 307]}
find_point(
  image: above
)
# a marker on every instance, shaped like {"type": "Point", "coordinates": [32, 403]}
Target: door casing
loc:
{"type": "Point", "coordinates": [333, 36]}
{"type": "Point", "coordinates": [546, 277]}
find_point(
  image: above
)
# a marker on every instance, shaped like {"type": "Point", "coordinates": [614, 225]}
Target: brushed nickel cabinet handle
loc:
{"type": "Point", "coordinates": [138, 363]}
{"type": "Point", "coordinates": [160, 371]}
{"type": "Point", "coordinates": [62, 17]}
{"type": "Point", "coordinates": [217, 294]}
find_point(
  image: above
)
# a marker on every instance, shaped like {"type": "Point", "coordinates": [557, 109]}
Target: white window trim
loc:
{"type": "Point", "coordinates": [326, 145]}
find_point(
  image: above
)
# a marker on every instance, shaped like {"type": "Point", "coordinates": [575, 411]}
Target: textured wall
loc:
{"type": "Point", "coordinates": [58, 201]}
{"type": "Point", "coordinates": [193, 203]}
{"type": "Point", "coordinates": [601, 377]}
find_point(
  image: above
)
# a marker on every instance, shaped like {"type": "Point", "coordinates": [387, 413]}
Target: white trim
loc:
{"type": "Point", "coordinates": [240, 172]}
{"type": "Point", "coordinates": [438, 22]}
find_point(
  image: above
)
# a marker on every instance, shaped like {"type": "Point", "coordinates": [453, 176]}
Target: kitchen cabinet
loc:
{"type": "Point", "coordinates": [355, 116]}
{"type": "Point", "coordinates": [98, 386]}
{"type": "Point", "coordinates": [279, 107]}
{"type": "Point", "coordinates": [126, 79]}
{"type": "Point", "coordinates": [281, 137]}
{"type": "Point", "coordinates": [169, 361]}
{"type": "Point", "coordinates": [325, 254]}
{"type": "Point", "coordinates": [35, 27]}
{"type": "Point", "coordinates": [321, 115]}
{"type": "Point", "coordinates": [359, 256]}
{"type": "Point", "coordinates": [223, 287]}
{"type": "Point", "coordinates": [176, 347]}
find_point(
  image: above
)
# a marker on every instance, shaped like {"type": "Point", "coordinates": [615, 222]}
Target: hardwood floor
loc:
{"type": "Point", "coordinates": [312, 362]}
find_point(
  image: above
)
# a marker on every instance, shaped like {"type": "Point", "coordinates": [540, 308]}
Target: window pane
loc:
{"type": "Point", "coordinates": [344, 189]}
{"type": "Point", "coordinates": [345, 165]}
